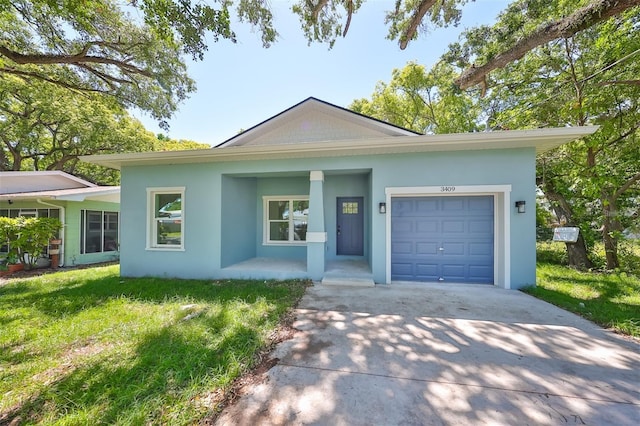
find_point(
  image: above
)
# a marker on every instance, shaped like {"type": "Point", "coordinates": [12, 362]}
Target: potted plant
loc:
{"type": "Point", "coordinates": [13, 263]}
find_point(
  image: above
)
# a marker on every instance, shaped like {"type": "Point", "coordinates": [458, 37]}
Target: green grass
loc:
{"type": "Point", "coordinates": [87, 346]}
{"type": "Point", "coordinates": [608, 299]}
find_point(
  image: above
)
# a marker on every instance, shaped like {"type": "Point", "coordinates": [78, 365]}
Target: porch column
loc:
{"type": "Point", "coordinates": [316, 235]}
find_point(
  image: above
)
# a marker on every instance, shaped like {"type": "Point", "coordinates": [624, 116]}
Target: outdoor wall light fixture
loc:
{"type": "Point", "coordinates": [382, 208]}
{"type": "Point", "coordinates": [520, 206]}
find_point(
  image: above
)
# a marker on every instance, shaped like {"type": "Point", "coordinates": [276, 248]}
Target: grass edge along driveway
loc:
{"type": "Point", "coordinates": [86, 346]}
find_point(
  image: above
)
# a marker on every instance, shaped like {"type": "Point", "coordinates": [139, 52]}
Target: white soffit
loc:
{"type": "Point", "coordinates": [540, 139]}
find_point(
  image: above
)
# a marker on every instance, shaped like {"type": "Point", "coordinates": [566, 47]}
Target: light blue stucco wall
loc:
{"type": "Point", "coordinates": [211, 225]}
{"type": "Point", "coordinates": [239, 206]}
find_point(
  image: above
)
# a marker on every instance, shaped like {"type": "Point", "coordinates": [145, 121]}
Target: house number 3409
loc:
{"type": "Point", "coordinates": [447, 189]}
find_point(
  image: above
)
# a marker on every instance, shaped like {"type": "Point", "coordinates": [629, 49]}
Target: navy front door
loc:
{"type": "Point", "coordinates": [350, 226]}
{"type": "Point", "coordinates": [446, 239]}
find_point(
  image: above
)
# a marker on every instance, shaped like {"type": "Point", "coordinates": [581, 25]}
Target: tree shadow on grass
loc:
{"type": "Point", "coordinates": [170, 368]}
{"type": "Point", "coordinates": [170, 363]}
{"type": "Point", "coordinates": [80, 294]}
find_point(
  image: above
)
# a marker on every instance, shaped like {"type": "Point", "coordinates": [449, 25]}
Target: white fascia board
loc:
{"type": "Point", "coordinates": [540, 139]}
{"type": "Point", "coordinates": [81, 194]}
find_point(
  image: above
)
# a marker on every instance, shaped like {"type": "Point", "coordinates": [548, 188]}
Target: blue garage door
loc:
{"type": "Point", "coordinates": [446, 239]}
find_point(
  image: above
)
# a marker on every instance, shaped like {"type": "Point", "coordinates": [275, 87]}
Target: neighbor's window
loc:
{"type": "Point", "coordinates": [286, 219]}
{"type": "Point", "coordinates": [166, 221]}
{"type": "Point", "coordinates": [98, 231]}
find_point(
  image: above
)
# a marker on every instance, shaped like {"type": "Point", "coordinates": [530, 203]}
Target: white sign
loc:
{"type": "Point", "coordinates": [566, 234]}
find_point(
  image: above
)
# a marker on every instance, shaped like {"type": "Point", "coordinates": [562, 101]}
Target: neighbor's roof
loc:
{"type": "Point", "coordinates": [540, 139]}
{"type": "Point", "coordinates": [53, 184]}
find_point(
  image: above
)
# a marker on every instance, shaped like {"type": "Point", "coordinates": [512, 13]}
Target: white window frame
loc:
{"type": "Point", "coordinates": [266, 222]}
{"type": "Point", "coordinates": [152, 236]}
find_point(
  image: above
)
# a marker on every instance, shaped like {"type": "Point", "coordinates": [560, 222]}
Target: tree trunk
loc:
{"type": "Point", "coordinates": [610, 225]}
{"type": "Point", "coordinates": [576, 252]}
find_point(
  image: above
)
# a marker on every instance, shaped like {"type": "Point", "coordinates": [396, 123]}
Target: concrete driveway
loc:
{"type": "Point", "coordinates": [437, 355]}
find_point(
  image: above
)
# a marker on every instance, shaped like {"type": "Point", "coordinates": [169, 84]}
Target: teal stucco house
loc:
{"type": "Point", "coordinates": [89, 213]}
{"type": "Point", "coordinates": [321, 192]}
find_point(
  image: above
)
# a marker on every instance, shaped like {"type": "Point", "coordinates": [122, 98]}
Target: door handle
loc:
{"type": "Point", "coordinates": [338, 230]}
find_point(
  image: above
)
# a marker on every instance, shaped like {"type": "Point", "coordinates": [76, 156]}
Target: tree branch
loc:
{"type": "Point", "coordinates": [410, 32]}
{"type": "Point", "coordinates": [50, 80]}
{"type": "Point", "coordinates": [593, 13]}
{"type": "Point", "coordinates": [630, 82]}
{"type": "Point", "coordinates": [77, 59]}
{"type": "Point", "coordinates": [627, 185]}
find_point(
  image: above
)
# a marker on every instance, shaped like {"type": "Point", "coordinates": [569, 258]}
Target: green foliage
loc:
{"type": "Point", "coordinates": [88, 346]}
{"type": "Point", "coordinates": [423, 101]}
{"type": "Point", "coordinates": [164, 143]}
{"type": "Point", "coordinates": [587, 79]}
{"type": "Point", "coordinates": [27, 237]}
{"type": "Point", "coordinates": [93, 46]}
{"type": "Point", "coordinates": [45, 127]}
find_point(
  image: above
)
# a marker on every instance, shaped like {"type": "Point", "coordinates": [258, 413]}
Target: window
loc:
{"type": "Point", "coordinates": [349, 208]}
{"type": "Point", "coordinates": [285, 220]}
{"type": "Point", "coordinates": [98, 231]}
{"type": "Point", "coordinates": [166, 221]}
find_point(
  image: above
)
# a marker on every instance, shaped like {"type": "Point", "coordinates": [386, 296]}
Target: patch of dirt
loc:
{"type": "Point", "coordinates": [4, 279]}
{"type": "Point", "coordinates": [68, 362]}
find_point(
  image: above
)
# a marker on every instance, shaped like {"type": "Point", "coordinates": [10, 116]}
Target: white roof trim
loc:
{"type": "Point", "coordinates": [41, 173]}
{"type": "Point", "coordinates": [76, 194]}
{"type": "Point", "coordinates": [540, 139]}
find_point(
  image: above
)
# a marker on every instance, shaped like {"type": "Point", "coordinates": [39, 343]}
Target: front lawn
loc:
{"type": "Point", "coordinates": [88, 347]}
{"type": "Point", "coordinates": [609, 299]}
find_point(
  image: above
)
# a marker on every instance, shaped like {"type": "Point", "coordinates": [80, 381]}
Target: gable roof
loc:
{"type": "Point", "coordinates": [314, 120]}
{"type": "Point", "coordinates": [53, 184]}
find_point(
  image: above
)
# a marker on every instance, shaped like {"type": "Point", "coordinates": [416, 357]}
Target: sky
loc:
{"type": "Point", "coordinates": [240, 85]}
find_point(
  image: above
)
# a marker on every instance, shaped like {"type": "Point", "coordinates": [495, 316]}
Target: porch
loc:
{"type": "Point", "coordinates": [344, 272]}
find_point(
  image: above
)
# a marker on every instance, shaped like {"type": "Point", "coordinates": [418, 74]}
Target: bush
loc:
{"type": "Point", "coordinates": [28, 236]}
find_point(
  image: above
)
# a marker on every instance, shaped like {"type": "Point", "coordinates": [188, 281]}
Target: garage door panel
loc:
{"type": "Point", "coordinates": [463, 226]}
{"type": "Point", "coordinates": [480, 249]}
{"type": "Point", "coordinates": [481, 226]}
{"type": "Point", "coordinates": [453, 249]}
{"type": "Point", "coordinates": [401, 225]}
{"type": "Point", "coordinates": [452, 204]}
{"type": "Point", "coordinates": [427, 271]}
{"type": "Point", "coordinates": [453, 226]}
{"type": "Point", "coordinates": [427, 248]}
{"type": "Point", "coordinates": [426, 226]}
{"type": "Point", "coordinates": [424, 206]}
{"type": "Point", "coordinates": [483, 204]}
{"type": "Point", "coordinates": [480, 273]}
{"type": "Point", "coordinates": [401, 247]}
{"type": "Point", "coordinates": [454, 272]}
